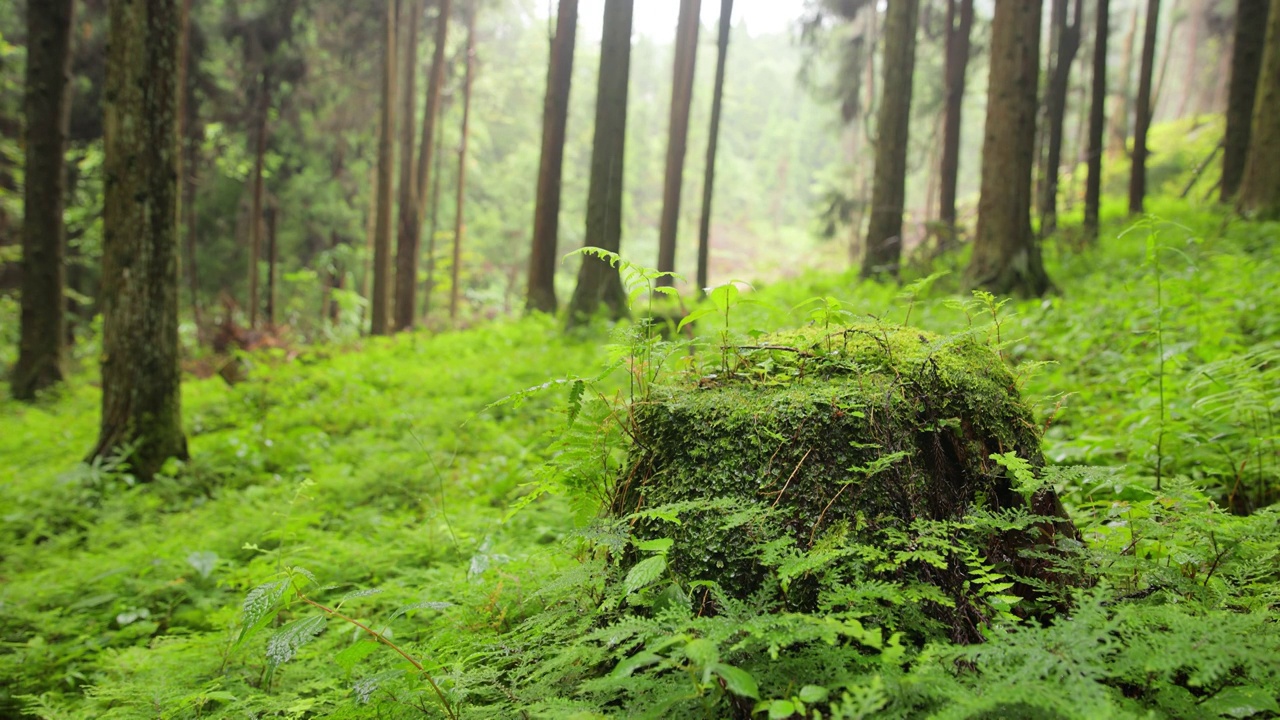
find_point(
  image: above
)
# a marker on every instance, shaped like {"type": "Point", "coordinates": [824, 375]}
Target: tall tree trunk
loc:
{"type": "Point", "coordinates": [599, 281]}
{"type": "Point", "coordinates": [1006, 254]}
{"type": "Point", "coordinates": [406, 238]}
{"type": "Point", "coordinates": [709, 178]}
{"type": "Point", "coordinates": [678, 133]}
{"type": "Point", "coordinates": [1120, 112]}
{"type": "Point", "coordinates": [189, 170]}
{"type": "Point", "coordinates": [1097, 120]}
{"type": "Point", "coordinates": [959, 28]}
{"type": "Point", "coordinates": [337, 279]}
{"type": "Point", "coordinates": [555, 119]}
{"type": "Point", "coordinates": [1068, 43]}
{"type": "Point", "coordinates": [893, 126]}
{"type": "Point", "coordinates": [380, 303]}
{"type": "Point", "coordinates": [48, 107]}
{"type": "Point", "coordinates": [1142, 110]}
{"type": "Point", "coordinates": [430, 143]}
{"type": "Point", "coordinates": [1191, 80]}
{"type": "Point", "coordinates": [255, 213]}
{"type": "Point", "coordinates": [1246, 66]}
{"type": "Point", "coordinates": [141, 411]}
{"type": "Point", "coordinates": [435, 222]}
{"type": "Point", "coordinates": [1260, 187]}
{"type": "Point", "coordinates": [459, 220]}
{"type": "Point", "coordinates": [272, 257]}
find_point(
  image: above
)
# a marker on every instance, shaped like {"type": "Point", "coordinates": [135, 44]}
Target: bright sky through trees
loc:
{"type": "Point", "coordinates": [657, 18]}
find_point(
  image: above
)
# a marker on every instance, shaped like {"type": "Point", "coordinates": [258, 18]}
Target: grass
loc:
{"type": "Point", "coordinates": [376, 466]}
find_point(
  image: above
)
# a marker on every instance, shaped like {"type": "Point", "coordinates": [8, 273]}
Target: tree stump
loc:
{"type": "Point", "coordinates": [856, 430]}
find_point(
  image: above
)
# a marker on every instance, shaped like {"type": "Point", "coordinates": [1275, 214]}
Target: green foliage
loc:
{"type": "Point", "coordinates": [377, 469]}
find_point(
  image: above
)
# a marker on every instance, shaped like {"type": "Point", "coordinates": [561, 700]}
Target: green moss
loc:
{"type": "Point", "coordinates": [870, 427]}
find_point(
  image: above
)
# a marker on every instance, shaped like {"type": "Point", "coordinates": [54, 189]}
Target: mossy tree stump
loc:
{"type": "Point", "coordinates": [866, 428]}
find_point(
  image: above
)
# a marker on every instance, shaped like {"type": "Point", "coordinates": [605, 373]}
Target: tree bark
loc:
{"type": "Point", "coordinates": [1097, 120]}
{"type": "Point", "coordinates": [893, 125]}
{"type": "Point", "coordinates": [713, 142]}
{"type": "Point", "coordinates": [406, 270]}
{"type": "Point", "coordinates": [1246, 66]}
{"type": "Point", "coordinates": [272, 257]}
{"type": "Point", "coordinates": [435, 224]}
{"type": "Point", "coordinates": [1260, 187]}
{"type": "Point", "coordinates": [678, 133]}
{"type": "Point", "coordinates": [380, 303]}
{"type": "Point", "coordinates": [598, 281]}
{"type": "Point", "coordinates": [188, 174]}
{"type": "Point", "coordinates": [255, 213]}
{"type": "Point", "coordinates": [430, 152]}
{"type": "Point", "coordinates": [141, 414]}
{"type": "Point", "coordinates": [1120, 112]}
{"type": "Point", "coordinates": [1191, 79]}
{"type": "Point", "coordinates": [1006, 254]}
{"type": "Point", "coordinates": [1142, 110]}
{"type": "Point", "coordinates": [959, 29]}
{"type": "Point", "coordinates": [1068, 43]}
{"type": "Point", "coordinates": [555, 119]}
{"type": "Point", "coordinates": [459, 220]}
{"type": "Point", "coordinates": [43, 328]}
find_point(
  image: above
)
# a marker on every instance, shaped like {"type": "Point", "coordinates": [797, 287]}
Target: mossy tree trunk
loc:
{"type": "Point", "coordinates": [1260, 187]}
{"type": "Point", "coordinates": [1246, 65]}
{"type": "Point", "coordinates": [140, 375]}
{"type": "Point", "coordinates": [406, 239]}
{"type": "Point", "coordinates": [541, 296]}
{"type": "Point", "coordinates": [598, 281]}
{"type": "Point", "coordinates": [1097, 119]}
{"type": "Point", "coordinates": [1006, 254]}
{"type": "Point", "coordinates": [1142, 110]}
{"type": "Point", "coordinates": [678, 133]}
{"type": "Point", "coordinates": [380, 302]}
{"type": "Point", "coordinates": [48, 109]}
{"type": "Point", "coordinates": [883, 252]}
{"type": "Point", "coordinates": [959, 29]}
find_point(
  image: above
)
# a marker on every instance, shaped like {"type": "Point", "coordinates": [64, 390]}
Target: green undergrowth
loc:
{"type": "Point", "coordinates": [372, 532]}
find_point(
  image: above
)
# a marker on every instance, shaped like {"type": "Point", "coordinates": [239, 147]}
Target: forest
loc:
{"type": "Point", "coordinates": [592, 359]}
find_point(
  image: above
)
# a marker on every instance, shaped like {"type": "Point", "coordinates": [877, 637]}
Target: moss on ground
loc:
{"type": "Point", "coordinates": [865, 427]}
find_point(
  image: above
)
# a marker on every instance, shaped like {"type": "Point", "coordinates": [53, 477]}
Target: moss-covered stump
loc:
{"type": "Point", "coordinates": [861, 431]}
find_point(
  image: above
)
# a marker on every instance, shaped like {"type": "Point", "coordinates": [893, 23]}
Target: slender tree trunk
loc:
{"type": "Point", "coordinates": [380, 303]}
{"type": "Point", "coordinates": [188, 159]}
{"type": "Point", "coordinates": [272, 257]}
{"type": "Point", "coordinates": [1120, 111]}
{"type": "Point", "coordinates": [459, 221]}
{"type": "Point", "coordinates": [1068, 43]}
{"type": "Point", "coordinates": [406, 237]}
{"type": "Point", "coordinates": [709, 178]}
{"type": "Point", "coordinates": [555, 120]}
{"type": "Point", "coordinates": [599, 281]}
{"type": "Point", "coordinates": [337, 279]}
{"type": "Point", "coordinates": [1142, 112]}
{"type": "Point", "coordinates": [1260, 186]}
{"type": "Point", "coordinates": [48, 108]}
{"type": "Point", "coordinates": [430, 143]}
{"type": "Point", "coordinates": [140, 377]}
{"type": "Point", "coordinates": [678, 133]}
{"type": "Point", "coordinates": [1097, 120]}
{"type": "Point", "coordinates": [888, 191]}
{"type": "Point", "coordinates": [1191, 80]}
{"type": "Point", "coordinates": [1246, 66]}
{"type": "Point", "coordinates": [959, 28]}
{"type": "Point", "coordinates": [435, 223]}
{"type": "Point", "coordinates": [255, 213]}
{"type": "Point", "coordinates": [1006, 254]}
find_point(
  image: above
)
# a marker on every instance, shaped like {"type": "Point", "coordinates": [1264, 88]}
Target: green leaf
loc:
{"type": "Point", "coordinates": [354, 653]}
{"type": "Point", "coordinates": [627, 667]}
{"type": "Point", "coordinates": [814, 694]}
{"type": "Point", "coordinates": [645, 572]}
{"type": "Point", "coordinates": [660, 546]}
{"type": "Point", "coordinates": [284, 644]}
{"type": "Point", "coordinates": [702, 652]}
{"type": "Point", "coordinates": [1242, 702]}
{"type": "Point", "coordinates": [725, 296]}
{"type": "Point", "coordinates": [576, 390]}
{"type": "Point", "coordinates": [779, 709]}
{"type": "Point", "coordinates": [260, 607]}
{"type": "Point", "coordinates": [695, 316]}
{"type": "Point", "coordinates": [737, 681]}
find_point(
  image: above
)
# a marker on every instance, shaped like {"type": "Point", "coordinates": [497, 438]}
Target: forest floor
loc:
{"type": "Point", "coordinates": [380, 473]}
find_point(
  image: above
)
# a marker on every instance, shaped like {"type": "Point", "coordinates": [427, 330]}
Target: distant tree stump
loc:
{"type": "Point", "coordinates": [854, 429]}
